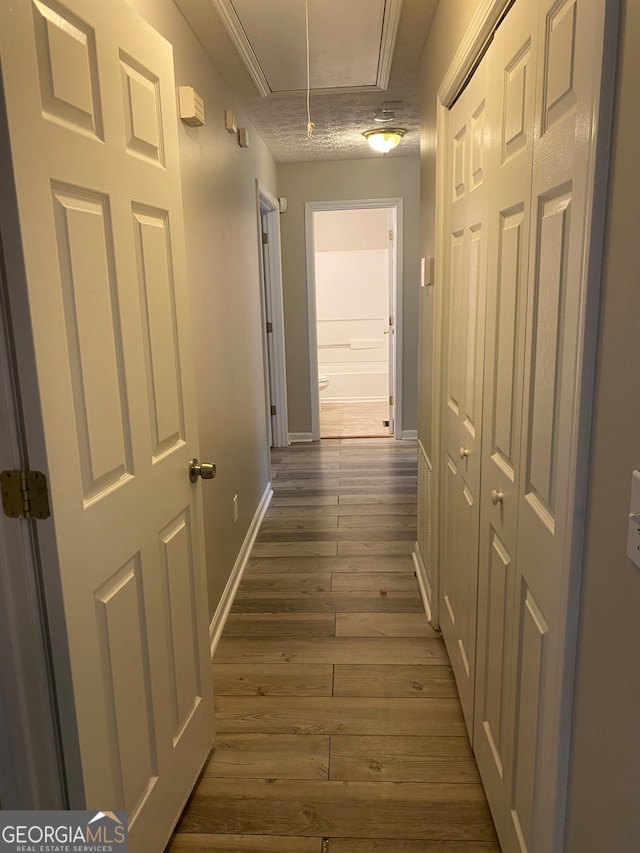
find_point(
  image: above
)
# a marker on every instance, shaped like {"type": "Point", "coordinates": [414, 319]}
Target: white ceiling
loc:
{"type": "Point", "coordinates": [259, 47]}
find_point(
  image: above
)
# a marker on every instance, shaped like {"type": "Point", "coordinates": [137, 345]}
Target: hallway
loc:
{"type": "Point", "coordinates": [338, 726]}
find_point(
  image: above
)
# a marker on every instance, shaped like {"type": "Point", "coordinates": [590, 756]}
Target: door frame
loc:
{"type": "Point", "coordinates": [395, 285]}
{"type": "Point", "coordinates": [31, 775]}
{"type": "Point", "coordinates": [272, 305]}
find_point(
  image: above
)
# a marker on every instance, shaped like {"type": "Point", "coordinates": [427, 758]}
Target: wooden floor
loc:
{"type": "Point", "coordinates": [338, 725]}
{"type": "Point", "coordinates": [354, 420]}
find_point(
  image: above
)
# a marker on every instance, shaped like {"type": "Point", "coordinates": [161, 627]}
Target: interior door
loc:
{"type": "Point", "coordinates": [465, 278]}
{"type": "Point", "coordinates": [90, 100]}
{"type": "Point", "coordinates": [560, 330]}
{"type": "Point", "coordinates": [510, 114]}
{"type": "Point", "coordinates": [393, 284]}
{"type": "Point", "coordinates": [537, 395]}
{"type": "Point", "coordinates": [268, 314]}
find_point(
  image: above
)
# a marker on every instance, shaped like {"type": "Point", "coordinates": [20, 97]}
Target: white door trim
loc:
{"type": "Point", "coordinates": [396, 286]}
{"type": "Point", "coordinates": [272, 277]}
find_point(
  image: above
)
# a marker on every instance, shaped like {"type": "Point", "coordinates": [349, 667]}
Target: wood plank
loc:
{"type": "Point", "coordinates": [402, 759]}
{"type": "Point", "coordinates": [383, 625]}
{"type": "Point", "coordinates": [383, 582]}
{"type": "Point", "coordinates": [355, 716]}
{"type": "Point", "coordinates": [393, 522]}
{"type": "Point", "coordinates": [330, 564]}
{"type": "Point", "coordinates": [396, 845]}
{"type": "Point", "coordinates": [304, 500]}
{"type": "Point", "coordinates": [286, 583]}
{"type": "Point", "coordinates": [394, 681]}
{"type": "Point", "coordinates": [369, 533]}
{"type": "Point", "coordinates": [283, 625]}
{"type": "Point", "coordinates": [191, 842]}
{"type": "Point", "coordinates": [357, 809]}
{"type": "Point", "coordinates": [249, 679]}
{"type": "Point", "coordinates": [389, 490]}
{"type": "Point", "coordinates": [298, 512]}
{"type": "Point", "coordinates": [361, 478]}
{"type": "Point", "coordinates": [316, 484]}
{"type": "Point", "coordinates": [379, 547]}
{"type": "Point", "coordinates": [335, 650]}
{"type": "Point", "coordinates": [295, 549]}
{"type": "Point", "coordinates": [322, 602]}
{"type": "Point", "coordinates": [260, 756]}
{"type": "Point", "coordinates": [395, 508]}
{"type": "Point", "coordinates": [370, 497]}
{"type": "Point", "coordinates": [306, 523]}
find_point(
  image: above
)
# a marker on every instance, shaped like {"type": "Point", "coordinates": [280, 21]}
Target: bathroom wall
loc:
{"type": "Point", "coordinates": [352, 303]}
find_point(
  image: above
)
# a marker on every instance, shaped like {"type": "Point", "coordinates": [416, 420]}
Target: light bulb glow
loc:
{"type": "Point", "coordinates": [384, 140]}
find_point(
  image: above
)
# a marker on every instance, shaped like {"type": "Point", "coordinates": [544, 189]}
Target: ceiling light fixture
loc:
{"type": "Point", "coordinates": [383, 140]}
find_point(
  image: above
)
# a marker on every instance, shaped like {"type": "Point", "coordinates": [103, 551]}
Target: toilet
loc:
{"type": "Point", "coordinates": [323, 381]}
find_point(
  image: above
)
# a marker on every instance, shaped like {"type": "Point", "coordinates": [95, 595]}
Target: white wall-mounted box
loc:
{"type": "Point", "coordinates": [191, 106]}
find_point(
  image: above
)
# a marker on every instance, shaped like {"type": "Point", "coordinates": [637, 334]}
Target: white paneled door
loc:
{"type": "Point", "coordinates": [510, 114]}
{"type": "Point", "coordinates": [90, 97]}
{"type": "Point", "coordinates": [517, 361]}
{"type": "Point", "coordinates": [466, 191]}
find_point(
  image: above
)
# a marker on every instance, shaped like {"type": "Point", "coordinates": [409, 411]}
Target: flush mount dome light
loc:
{"type": "Point", "coordinates": [384, 139]}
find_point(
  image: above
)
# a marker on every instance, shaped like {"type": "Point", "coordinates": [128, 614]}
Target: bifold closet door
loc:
{"type": "Point", "coordinates": [510, 114]}
{"type": "Point", "coordinates": [537, 407]}
{"type": "Point", "coordinates": [465, 280]}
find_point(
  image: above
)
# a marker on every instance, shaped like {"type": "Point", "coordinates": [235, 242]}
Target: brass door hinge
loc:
{"type": "Point", "coordinates": [391, 399]}
{"type": "Point", "coordinates": [265, 238]}
{"type": "Point", "coordinates": [24, 494]}
{"type": "Point", "coordinates": [269, 327]}
{"type": "Point", "coordinates": [273, 410]}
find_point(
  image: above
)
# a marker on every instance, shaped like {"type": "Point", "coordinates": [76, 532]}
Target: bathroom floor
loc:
{"type": "Point", "coordinates": [353, 420]}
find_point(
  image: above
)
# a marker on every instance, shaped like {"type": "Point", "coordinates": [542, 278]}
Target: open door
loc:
{"type": "Point", "coordinates": [99, 295]}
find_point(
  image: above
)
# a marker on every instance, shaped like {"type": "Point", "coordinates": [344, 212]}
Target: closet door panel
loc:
{"type": "Point", "coordinates": [463, 368]}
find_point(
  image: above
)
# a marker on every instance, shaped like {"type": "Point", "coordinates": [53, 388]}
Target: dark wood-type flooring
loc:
{"type": "Point", "coordinates": [338, 725]}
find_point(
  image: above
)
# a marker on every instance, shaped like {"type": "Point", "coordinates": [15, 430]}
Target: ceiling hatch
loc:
{"type": "Point", "coordinates": [351, 42]}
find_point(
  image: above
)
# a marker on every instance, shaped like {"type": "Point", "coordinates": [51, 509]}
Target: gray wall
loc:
{"type": "Point", "coordinates": [605, 767]}
{"type": "Point", "coordinates": [604, 780]}
{"type": "Point", "coordinates": [218, 186]}
{"type": "Point", "coordinates": [338, 180]}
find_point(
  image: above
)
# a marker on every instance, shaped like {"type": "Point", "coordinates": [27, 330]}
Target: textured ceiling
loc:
{"type": "Point", "coordinates": [340, 118]}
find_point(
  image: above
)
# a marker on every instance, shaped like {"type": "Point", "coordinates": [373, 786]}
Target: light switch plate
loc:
{"type": "Point", "coordinates": [633, 533]}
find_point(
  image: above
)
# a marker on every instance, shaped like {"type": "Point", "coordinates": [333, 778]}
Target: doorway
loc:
{"type": "Point", "coordinates": [273, 318]}
{"type": "Point", "coordinates": [352, 264]}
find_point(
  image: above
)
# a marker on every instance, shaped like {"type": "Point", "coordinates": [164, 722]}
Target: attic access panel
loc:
{"type": "Point", "coordinates": [350, 42]}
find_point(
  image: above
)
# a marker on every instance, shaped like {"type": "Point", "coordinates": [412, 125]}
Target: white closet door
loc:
{"type": "Point", "coordinates": [510, 113]}
{"type": "Point", "coordinates": [536, 414]}
{"type": "Point", "coordinates": [556, 414]}
{"type": "Point", "coordinates": [463, 367]}
{"type": "Point", "coordinates": [90, 95]}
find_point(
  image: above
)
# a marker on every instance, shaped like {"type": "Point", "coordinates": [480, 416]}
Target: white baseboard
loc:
{"type": "Point", "coordinates": [299, 437]}
{"type": "Point", "coordinates": [423, 580]}
{"type": "Point", "coordinates": [226, 601]}
{"type": "Point", "coordinates": [409, 434]}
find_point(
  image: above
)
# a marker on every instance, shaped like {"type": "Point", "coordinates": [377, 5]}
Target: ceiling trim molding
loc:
{"type": "Point", "coordinates": [390, 24]}
{"type": "Point", "coordinates": [238, 36]}
{"type": "Point", "coordinates": [479, 33]}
